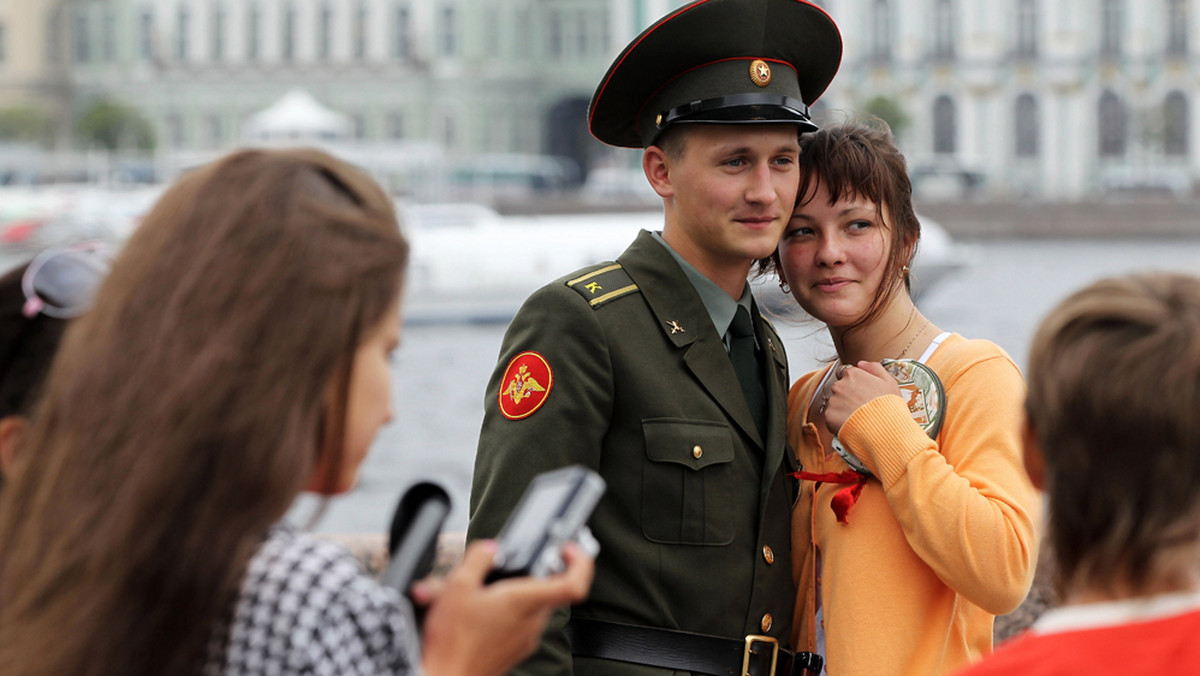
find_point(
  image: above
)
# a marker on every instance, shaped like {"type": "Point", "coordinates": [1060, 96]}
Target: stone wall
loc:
{"type": "Point", "coordinates": [1101, 218]}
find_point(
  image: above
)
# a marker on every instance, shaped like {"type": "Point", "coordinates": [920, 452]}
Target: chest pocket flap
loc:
{"type": "Point", "coordinates": [687, 484]}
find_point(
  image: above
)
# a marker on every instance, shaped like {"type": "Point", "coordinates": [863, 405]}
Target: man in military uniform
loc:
{"type": "Point", "coordinates": [658, 371]}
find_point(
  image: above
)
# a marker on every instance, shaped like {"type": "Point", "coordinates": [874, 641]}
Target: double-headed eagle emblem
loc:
{"type": "Point", "coordinates": [522, 385]}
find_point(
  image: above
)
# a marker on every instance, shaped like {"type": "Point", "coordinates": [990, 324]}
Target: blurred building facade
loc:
{"type": "Point", "coordinates": [472, 76]}
{"type": "Point", "coordinates": [33, 71]}
{"type": "Point", "coordinates": [1033, 98]}
{"type": "Point", "coordinates": [1050, 99]}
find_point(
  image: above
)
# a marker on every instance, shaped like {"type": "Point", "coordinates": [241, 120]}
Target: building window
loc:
{"type": "Point", "coordinates": [1025, 118]}
{"type": "Point", "coordinates": [54, 35]}
{"type": "Point", "coordinates": [448, 36]}
{"type": "Point", "coordinates": [1113, 126]}
{"type": "Point", "coordinates": [83, 45]}
{"type": "Point", "coordinates": [110, 36]}
{"type": "Point", "coordinates": [360, 30]}
{"type": "Point", "coordinates": [945, 126]}
{"type": "Point", "coordinates": [253, 19]}
{"type": "Point", "coordinates": [945, 29]}
{"type": "Point", "coordinates": [524, 19]}
{"type": "Point", "coordinates": [491, 31]}
{"type": "Point", "coordinates": [402, 33]}
{"type": "Point", "coordinates": [147, 35]}
{"type": "Point", "coordinates": [1177, 27]}
{"type": "Point", "coordinates": [449, 132]}
{"type": "Point", "coordinates": [582, 36]}
{"type": "Point", "coordinates": [183, 20]}
{"type": "Point", "coordinates": [175, 130]}
{"type": "Point", "coordinates": [554, 35]}
{"type": "Point", "coordinates": [213, 132]}
{"type": "Point", "coordinates": [1027, 28]}
{"type": "Point", "coordinates": [1175, 125]}
{"type": "Point", "coordinates": [881, 31]}
{"type": "Point", "coordinates": [395, 126]}
{"type": "Point", "coordinates": [1112, 21]}
{"type": "Point", "coordinates": [602, 44]}
{"type": "Point", "coordinates": [325, 32]}
{"type": "Point", "coordinates": [218, 33]}
{"type": "Point", "coordinates": [288, 48]}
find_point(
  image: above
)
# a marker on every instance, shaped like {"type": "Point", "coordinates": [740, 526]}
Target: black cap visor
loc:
{"type": "Point", "coordinates": [754, 108]}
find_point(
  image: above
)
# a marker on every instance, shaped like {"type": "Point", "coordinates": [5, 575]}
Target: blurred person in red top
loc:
{"type": "Point", "coordinates": [1113, 438]}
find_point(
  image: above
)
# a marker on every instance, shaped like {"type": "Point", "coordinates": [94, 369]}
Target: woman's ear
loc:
{"type": "Point", "coordinates": [1035, 462]}
{"type": "Point", "coordinates": [11, 429]}
{"type": "Point", "coordinates": [657, 167]}
{"type": "Point", "coordinates": [324, 470]}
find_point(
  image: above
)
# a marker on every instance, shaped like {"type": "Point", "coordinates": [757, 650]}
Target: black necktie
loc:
{"type": "Point", "coordinates": [745, 363]}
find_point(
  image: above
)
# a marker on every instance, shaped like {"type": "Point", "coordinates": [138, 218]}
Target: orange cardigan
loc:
{"type": "Point", "coordinates": [944, 538]}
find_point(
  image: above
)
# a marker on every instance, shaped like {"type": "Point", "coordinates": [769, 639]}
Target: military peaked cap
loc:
{"type": "Point", "coordinates": [718, 61]}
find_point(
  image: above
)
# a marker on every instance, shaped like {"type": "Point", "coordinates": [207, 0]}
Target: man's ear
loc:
{"type": "Point", "coordinates": [1035, 462]}
{"type": "Point", "coordinates": [657, 167]}
{"type": "Point", "coordinates": [11, 429]}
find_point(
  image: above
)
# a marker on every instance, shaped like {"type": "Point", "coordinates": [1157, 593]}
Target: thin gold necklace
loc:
{"type": "Point", "coordinates": [914, 338]}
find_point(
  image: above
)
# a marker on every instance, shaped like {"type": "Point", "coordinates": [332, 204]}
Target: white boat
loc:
{"type": "Point", "coordinates": [470, 264]}
{"type": "Point", "coordinates": [34, 217]}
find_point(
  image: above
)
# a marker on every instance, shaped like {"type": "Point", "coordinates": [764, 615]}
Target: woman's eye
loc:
{"type": "Point", "coordinates": [860, 225]}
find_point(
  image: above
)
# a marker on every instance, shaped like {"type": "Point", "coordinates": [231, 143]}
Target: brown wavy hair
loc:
{"type": "Point", "coordinates": [861, 159]}
{"type": "Point", "coordinates": [1113, 400]}
{"type": "Point", "coordinates": [187, 409]}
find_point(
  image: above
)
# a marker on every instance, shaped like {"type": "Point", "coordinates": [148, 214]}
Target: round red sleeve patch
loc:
{"type": "Point", "coordinates": [526, 384]}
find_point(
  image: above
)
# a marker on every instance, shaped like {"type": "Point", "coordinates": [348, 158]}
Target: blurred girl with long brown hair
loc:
{"type": "Point", "coordinates": [236, 355]}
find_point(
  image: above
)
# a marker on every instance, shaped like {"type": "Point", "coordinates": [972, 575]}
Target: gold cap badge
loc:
{"type": "Point", "coordinates": [760, 72]}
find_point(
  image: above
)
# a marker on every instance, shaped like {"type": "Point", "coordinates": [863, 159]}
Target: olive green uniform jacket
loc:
{"type": "Point", "coordinates": [694, 528]}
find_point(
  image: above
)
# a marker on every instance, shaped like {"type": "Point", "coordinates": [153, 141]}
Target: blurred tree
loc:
{"type": "Point", "coordinates": [26, 123]}
{"type": "Point", "coordinates": [889, 110]}
{"type": "Point", "coordinates": [110, 125]}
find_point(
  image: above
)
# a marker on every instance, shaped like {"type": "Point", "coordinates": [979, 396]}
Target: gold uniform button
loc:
{"type": "Point", "coordinates": [697, 451]}
{"type": "Point", "coordinates": [768, 554]}
{"type": "Point", "coordinates": [767, 621]}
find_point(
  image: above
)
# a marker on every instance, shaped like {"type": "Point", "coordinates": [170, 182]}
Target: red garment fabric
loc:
{"type": "Point", "coordinates": [1162, 646]}
{"type": "Point", "coordinates": [844, 499]}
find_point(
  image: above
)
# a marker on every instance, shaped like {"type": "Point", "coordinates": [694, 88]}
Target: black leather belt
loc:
{"type": "Point", "coordinates": [686, 651]}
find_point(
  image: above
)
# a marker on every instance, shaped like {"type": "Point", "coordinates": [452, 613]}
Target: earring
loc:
{"type": "Point", "coordinates": [904, 271]}
{"type": "Point", "coordinates": [783, 286]}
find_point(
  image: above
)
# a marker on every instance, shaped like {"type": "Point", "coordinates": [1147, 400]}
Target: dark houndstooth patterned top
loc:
{"type": "Point", "coordinates": [306, 606]}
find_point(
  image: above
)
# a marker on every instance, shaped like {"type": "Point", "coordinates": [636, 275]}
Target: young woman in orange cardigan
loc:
{"type": "Point", "coordinates": [902, 567]}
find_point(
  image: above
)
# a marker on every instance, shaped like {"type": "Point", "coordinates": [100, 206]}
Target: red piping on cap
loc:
{"type": "Point", "coordinates": [629, 49]}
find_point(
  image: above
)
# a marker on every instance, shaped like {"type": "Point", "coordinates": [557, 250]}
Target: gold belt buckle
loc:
{"type": "Point", "coordinates": [750, 641]}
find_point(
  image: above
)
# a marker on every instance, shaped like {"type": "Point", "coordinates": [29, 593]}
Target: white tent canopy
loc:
{"type": "Point", "coordinates": [297, 116]}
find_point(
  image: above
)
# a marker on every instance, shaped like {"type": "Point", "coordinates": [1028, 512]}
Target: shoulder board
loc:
{"type": "Point", "coordinates": [603, 284]}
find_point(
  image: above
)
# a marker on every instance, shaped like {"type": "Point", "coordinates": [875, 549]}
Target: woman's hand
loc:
{"type": "Point", "coordinates": [856, 385]}
{"type": "Point", "coordinates": [477, 629]}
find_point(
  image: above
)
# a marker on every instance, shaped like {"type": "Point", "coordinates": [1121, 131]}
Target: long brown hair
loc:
{"type": "Point", "coordinates": [187, 409]}
{"type": "Point", "coordinates": [1113, 399]}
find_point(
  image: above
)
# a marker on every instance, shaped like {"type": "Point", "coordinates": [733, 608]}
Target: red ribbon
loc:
{"type": "Point", "coordinates": [844, 499]}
